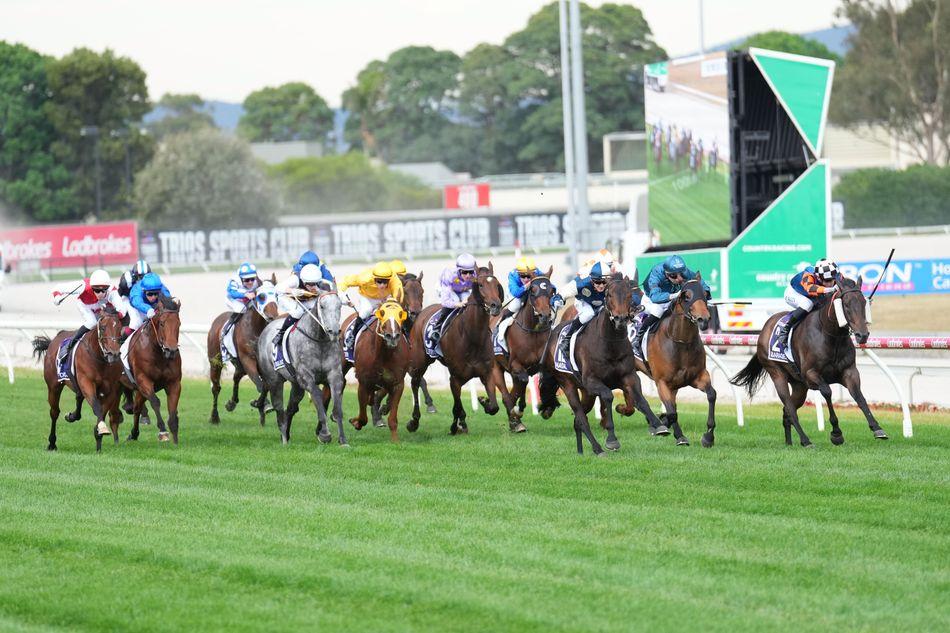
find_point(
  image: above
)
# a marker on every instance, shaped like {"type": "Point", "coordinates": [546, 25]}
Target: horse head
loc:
{"type": "Point", "coordinates": [166, 324]}
{"type": "Point", "coordinates": [109, 332]}
{"type": "Point", "coordinates": [265, 303]}
{"type": "Point", "coordinates": [328, 307]}
{"type": "Point", "coordinates": [692, 301]}
{"type": "Point", "coordinates": [389, 319]}
{"type": "Point", "coordinates": [854, 306]}
{"type": "Point", "coordinates": [487, 290]}
{"type": "Point", "coordinates": [412, 294]}
{"type": "Point", "coordinates": [538, 295]}
{"type": "Point", "coordinates": [617, 300]}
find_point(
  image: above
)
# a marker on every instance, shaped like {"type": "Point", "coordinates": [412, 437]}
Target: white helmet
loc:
{"type": "Point", "coordinates": [310, 274]}
{"type": "Point", "coordinates": [100, 278]}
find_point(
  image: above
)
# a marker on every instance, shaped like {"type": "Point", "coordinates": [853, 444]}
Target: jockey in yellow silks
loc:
{"type": "Point", "coordinates": [373, 286]}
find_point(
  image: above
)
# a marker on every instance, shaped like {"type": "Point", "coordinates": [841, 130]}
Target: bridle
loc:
{"type": "Point", "coordinates": [838, 294]}
{"type": "Point", "coordinates": [477, 290]}
{"type": "Point", "coordinates": [318, 318]}
{"type": "Point", "coordinates": [166, 350]}
{"type": "Point", "coordinates": [534, 289]}
{"type": "Point", "coordinates": [100, 337]}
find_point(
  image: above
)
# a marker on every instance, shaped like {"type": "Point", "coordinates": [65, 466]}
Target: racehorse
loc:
{"type": "Point", "coordinates": [466, 349]}
{"type": "Point", "coordinates": [314, 358]}
{"type": "Point", "coordinates": [96, 374]}
{"type": "Point", "coordinates": [155, 363]}
{"type": "Point", "coordinates": [677, 358]}
{"type": "Point", "coordinates": [825, 355]}
{"type": "Point", "coordinates": [605, 362]}
{"type": "Point", "coordinates": [258, 314]}
{"type": "Point", "coordinates": [412, 303]}
{"type": "Point", "coordinates": [526, 338]}
{"type": "Point", "coordinates": [381, 361]}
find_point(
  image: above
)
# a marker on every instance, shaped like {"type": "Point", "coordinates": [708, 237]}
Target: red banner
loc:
{"type": "Point", "coordinates": [72, 244]}
{"type": "Point", "coordinates": [471, 196]}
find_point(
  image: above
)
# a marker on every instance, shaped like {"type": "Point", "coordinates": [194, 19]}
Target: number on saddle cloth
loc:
{"type": "Point", "coordinates": [567, 362]}
{"type": "Point", "coordinates": [433, 344]}
{"type": "Point", "coordinates": [64, 362]}
{"type": "Point", "coordinates": [350, 337]}
{"type": "Point", "coordinates": [777, 351]}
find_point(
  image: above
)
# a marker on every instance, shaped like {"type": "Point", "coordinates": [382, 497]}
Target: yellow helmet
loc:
{"type": "Point", "coordinates": [398, 267]}
{"type": "Point", "coordinates": [525, 265]}
{"type": "Point", "coordinates": [382, 270]}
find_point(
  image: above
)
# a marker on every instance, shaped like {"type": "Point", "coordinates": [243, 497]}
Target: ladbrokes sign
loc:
{"type": "Point", "coordinates": [74, 244]}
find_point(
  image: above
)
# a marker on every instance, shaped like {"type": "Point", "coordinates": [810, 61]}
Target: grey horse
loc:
{"type": "Point", "coordinates": [315, 360]}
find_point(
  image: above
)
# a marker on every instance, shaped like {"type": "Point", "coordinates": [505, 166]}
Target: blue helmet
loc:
{"type": "Point", "coordinates": [674, 264]}
{"type": "Point", "coordinates": [247, 271]}
{"type": "Point", "coordinates": [597, 271]}
{"type": "Point", "coordinates": [151, 282]}
{"type": "Point", "coordinates": [309, 258]}
{"type": "Point", "coordinates": [141, 268]}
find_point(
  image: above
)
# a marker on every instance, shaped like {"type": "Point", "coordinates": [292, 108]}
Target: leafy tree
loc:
{"type": "Point", "coordinates": [347, 183]}
{"type": "Point", "coordinates": [106, 91]}
{"type": "Point", "coordinates": [201, 179]}
{"type": "Point", "coordinates": [916, 196]}
{"type": "Point", "coordinates": [291, 112]}
{"type": "Point", "coordinates": [790, 43]}
{"type": "Point", "coordinates": [362, 100]}
{"type": "Point", "coordinates": [897, 73]}
{"type": "Point", "coordinates": [182, 113]}
{"type": "Point", "coordinates": [32, 183]}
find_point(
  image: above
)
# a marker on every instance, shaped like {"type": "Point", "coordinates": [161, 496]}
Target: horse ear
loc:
{"type": "Point", "coordinates": [860, 280]}
{"type": "Point", "coordinates": [699, 276]}
{"type": "Point", "coordinates": [550, 271]}
{"type": "Point", "coordinates": [379, 314]}
{"type": "Point", "coordinates": [273, 278]}
{"type": "Point", "coordinates": [491, 268]}
{"type": "Point", "coordinates": [402, 315]}
{"type": "Point", "coordinates": [419, 278]}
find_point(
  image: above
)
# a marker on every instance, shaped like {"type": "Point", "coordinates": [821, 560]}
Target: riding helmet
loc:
{"type": "Point", "coordinates": [398, 267]}
{"type": "Point", "coordinates": [826, 269]}
{"type": "Point", "coordinates": [597, 272]}
{"type": "Point", "coordinates": [465, 261]}
{"type": "Point", "coordinates": [141, 268]}
{"type": "Point", "coordinates": [309, 258]}
{"type": "Point", "coordinates": [382, 270]}
{"type": "Point", "coordinates": [310, 274]}
{"type": "Point", "coordinates": [151, 282]}
{"type": "Point", "coordinates": [674, 264]}
{"type": "Point", "coordinates": [525, 265]}
{"type": "Point", "coordinates": [247, 271]}
{"type": "Point", "coordinates": [100, 278]}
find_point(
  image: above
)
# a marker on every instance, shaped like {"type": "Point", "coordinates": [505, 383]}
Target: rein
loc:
{"type": "Point", "coordinates": [519, 320]}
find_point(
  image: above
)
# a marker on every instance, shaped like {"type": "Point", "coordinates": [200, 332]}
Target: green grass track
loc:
{"type": "Point", "coordinates": [486, 532]}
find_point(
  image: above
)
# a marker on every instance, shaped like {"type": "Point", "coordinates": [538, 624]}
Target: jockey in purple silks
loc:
{"type": "Point", "coordinates": [455, 287]}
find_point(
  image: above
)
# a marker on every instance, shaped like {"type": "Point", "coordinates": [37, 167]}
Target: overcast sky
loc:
{"type": "Point", "coordinates": [225, 49]}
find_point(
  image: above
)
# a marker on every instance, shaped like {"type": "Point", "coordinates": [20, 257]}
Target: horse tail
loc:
{"type": "Point", "coordinates": [547, 388]}
{"type": "Point", "coordinates": [40, 345]}
{"type": "Point", "coordinates": [751, 376]}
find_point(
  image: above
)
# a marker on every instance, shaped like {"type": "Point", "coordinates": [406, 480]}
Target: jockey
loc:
{"type": "Point", "coordinates": [455, 287]}
{"type": "Point", "coordinates": [288, 286]}
{"type": "Point", "coordinates": [661, 287]}
{"type": "Point", "coordinates": [304, 295]}
{"type": "Point", "coordinates": [132, 276]}
{"type": "Point", "coordinates": [607, 263]}
{"type": "Point", "coordinates": [399, 268]}
{"type": "Point", "coordinates": [310, 257]}
{"type": "Point", "coordinates": [804, 288]}
{"type": "Point", "coordinates": [590, 294]}
{"type": "Point", "coordinates": [242, 288]}
{"type": "Point", "coordinates": [97, 293]}
{"type": "Point", "coordinates": [143, 298]}
{"type": "Point", "coordinates": [518, 279]}
{"type": "Point", "coordinates": [373, 287]}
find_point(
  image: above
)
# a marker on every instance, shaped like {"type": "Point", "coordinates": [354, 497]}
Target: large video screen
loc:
{"type": "Point", "coordinates": [687, 124]}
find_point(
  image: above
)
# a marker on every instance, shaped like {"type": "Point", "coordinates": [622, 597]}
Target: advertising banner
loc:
{"type": "Point", "coordinates": [72, 244]}
{"type": "Point", "coordinates": [903, 277]}
{"type": "Point", "coordinates": [468, 196]}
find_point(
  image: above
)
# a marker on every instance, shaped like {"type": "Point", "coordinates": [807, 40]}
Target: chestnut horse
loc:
{"type": "Point", "coordinates": [381, 359]}
{"type": "Point", "coordinates": [677, 358]}
{"type": "Point", "coordinates": [466, 349]}
{"type": "Point", "coordinates": [156, 364]}
{"type": "Point", "coordinates": [526, 338]}
{"type": "Point", "coordinates": [97, 370]}
{"type": "Point", "coordinates": [261, 311]}
{"type": "Point", "coordinates": [825, 355]}
{"type": "Point", "coordinates": [605, 362]}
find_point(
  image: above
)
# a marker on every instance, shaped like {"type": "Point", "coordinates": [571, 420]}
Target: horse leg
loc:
{"type": "Point", "coordinates": [518, 388]}
{"type": "Point", "coordinates": [414, 382]}
{"type": "Point", "coordinates": [458, 410]}
{"type": "Point", "coordinates": [53, 393]}
{"type": "Point", "coordinates": [581, 426]}
{"type": "Point", "coordinates": [489, 402]}
{"type": "Point", "coordinates": [430, 406]}
{"type": "Point", "coordinates": [376, 410]}
{"type": "Point", "coordinates": [76, 414]}
{"type": "Point", "coordinates": [633, 395]}
{"type": "Point", "coordinates": [277, 399]}
{"type": "Point", "coordinates": [136, 415]}
{"type": "Point", "coordinates": [792, 397]}
{"type": "Point", "coordinates": [233, 402]}
{"type": "Point", "coordinates": [813, 376]}
{"type": "Point", "coordinates": [852, 382]}
{"type": "Point", "coordinates": [89, 391]}
{"type": "Point", "coordinates": [147, 389]}
{"type": "Point", "coordinates": [172, 396]}
{"type": "Point", "coordinates": [668, 397]}
{"type": "Point", "coordinates": [111, 406]}
{"type": "Point", "coordinates": [215, 390]}
{"type": "Point", "coordinates": [704, 383]}
{"type": "Point", "coordinates": [336, 386]}
{"type": "Point", "coordinates": [261, 403]}
{"type": "Point", "coordinates": [395, 395]}
{"type": "Point", "coordinates": [606, 396]}
{"type": "Point", "coordinates": [362, 395]}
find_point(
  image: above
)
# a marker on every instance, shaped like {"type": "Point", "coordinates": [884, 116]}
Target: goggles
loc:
{"type": "Point", "coordinates": [466, 272]}
{"type": "Point", "coordinates": [100, 289]}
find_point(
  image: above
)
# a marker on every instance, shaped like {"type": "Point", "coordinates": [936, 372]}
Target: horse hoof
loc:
{"type": "Point", "coordinates": [600, 454]}
{"type": "Point", "coordinates": [808, 445]}
{"type": "Point", "coordinates": [659, 430]}
{"type": "Point", "coordinates": [132, 438]}
{"type": "Point", "coordinates": [412, 426]}
{"type": "Point", "coordinates": [127, 408]}
{"type": "Point", "coordinates": [345, 444]}
{"type": "Point", "coordinates": [144, 419]}
{"type": "Point", "coordinates": [380, 424]}
{"type": "Point", "coordinates": [430, 408]}
{"type": "Point", "coordinates": [546, 414]}
{"type": "Point", "coordinates": [707, 440]}
{"type": "Point", "coordinates": [163, 437]}
{"type": "Point", "coordinates": [51, 447]}
{"type": "Point", "coordinates": [517, 427]}
{"type": "Point", "coordinates": [214, 419]}
{"type": "Point", "coordinates": [837, 439]}
{"type": "Point", "coordinates": [229, 405]}
{"type": "Point", "coordinates": [355, 422]}
{"type": "Point", "coordinates": [880, 434]}
{"type": "Point", "coordinates": [682, 442]}
{"type": "Point", "coordinates": [612, 446]}
{"type": "Point", "coordinates": [71, 417]}
{"type": "Point", "coordinates": [324, 439]}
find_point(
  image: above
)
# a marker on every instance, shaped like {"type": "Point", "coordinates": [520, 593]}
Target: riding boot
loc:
{"type": "Point", "coordinates": [437, 326]}
{"type": "Point", "coordinates": [78, 335]}
{"type": "Point", "coordinates": [288, 322]}
{"type": "Point", "coordinates": [783, 330]}
{"type": "Point", "coordinates": [358, 324]}
{"type": "Point", "coordinates": [574, 326]}
{"type": "Point", "coordinates": [505, 314]}
{"type": "Point", "coordinates": [645, 325]}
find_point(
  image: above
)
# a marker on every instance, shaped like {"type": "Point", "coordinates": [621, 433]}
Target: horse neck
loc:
{"type": "Point", "coordinates": [827, 323]}
{"type": "Point", "coordinates": [528, 317]}
{"type": "Point", "coordinates": [678, 328]}
{"type": "Point", "coordinates": [93, 348]}
{"type": "Point", "coordinates": [256, 321]}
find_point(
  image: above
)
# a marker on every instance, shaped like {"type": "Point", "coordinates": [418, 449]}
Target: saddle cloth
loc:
{"type": "Point", "coordinates": [567, 363]}
{"type": "Point", "coordinates": [632, 334]}
{"type": "Point", "coordinates": [433, 348]}
{"type": "Point", "coordinates": [124, 355]}
{"type": "Point", "coordinates": [499, 344]}
{"type": "Point", "coordinates": [228, 350]}
{"type": "Point", "coordinates": [65, 367]}
{"type": "Point", "coordinates": [281, 355]}
{"type": "Point", "coordinates": [777, 352]}
{"type": "Point", "coordinates": [349, 351]}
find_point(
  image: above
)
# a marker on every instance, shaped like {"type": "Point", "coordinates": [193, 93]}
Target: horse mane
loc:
{"type": "Point", "coordinates": [410, 277]}
{"type": "Point", "coordinates": [168, 304]}
{"type": "Point", "coordinates": [110, 310]}
{"type": "Point", "coordinates": [847, 282]}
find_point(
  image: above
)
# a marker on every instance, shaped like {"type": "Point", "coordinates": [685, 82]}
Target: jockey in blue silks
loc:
{"type": "Point", "coordinates": [661, 287]}
{"type": "Point", "coordinates": [590, 294]}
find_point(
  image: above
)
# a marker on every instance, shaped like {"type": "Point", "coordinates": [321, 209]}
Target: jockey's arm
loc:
{"type": "Point", "coordinates": [87, 314]}
{"type": "Point", "coordinates": [569, 290]}
{"type": "Point", "coordinates": [515, 289]}
{"type": "Point", "coordinates": [235, 290]}
{"type": "Point", "coordinates": [449, 298]}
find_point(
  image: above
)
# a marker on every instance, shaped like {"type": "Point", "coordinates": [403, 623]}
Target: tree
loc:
{"type": "Point", "coordinates": [291, 112]}
{"type": "Point", "coordinates": [108, 92]}
{"type": "Point", "coordinates": [790, 43]}
{"type": "Point", "coordinates": [180, 113]}
{"type": "Point", "coordinates": [204, 179]}
{"type": "Point", "coordinates": [361, 100]}
{"type": "Point", "coordinates": [32, 183]}
{"type": "Point", "coordinates": [897, 73]}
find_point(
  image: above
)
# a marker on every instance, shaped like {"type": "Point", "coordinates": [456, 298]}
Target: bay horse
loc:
{"type": "Point", "coordinates": [97, 370]}
{"type": "Point", "coordinates": [824, 354]}
{"type": "Point", "coordinates": [605, 362]}
{"type": "Point", "coordinates": [526, 338]}
{"type": "Point", "coordinates": [381, 360]}
{"type": "Point", "coordinates": [677, 358]}
{"type": "Point", "coordinates": [155, 362]}
{"type": "Point", "coordinates": [259, 312]}
{"type": "Point", "coordinates": [466, 349]}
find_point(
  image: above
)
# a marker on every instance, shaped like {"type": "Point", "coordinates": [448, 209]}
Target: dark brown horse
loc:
{"type": "Point", "coordinates": [825, 355]}
{"type": "Point", "coordinates": [381, 359]}
{"type": "Point", "coordinates": [526, 338]}
{"type": "Point", "coordinates": [156, 364]}
{"type": "Point", "coordinates": [677, 358]}
{"type": "Point", "coordinates": [605, 362]}
{"type": "Point", "coordinates": [466, 349]}
{"type": "Point", "coordinates": [97, 370]}
{"type": "Point", "coordinates": [260, 311]}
